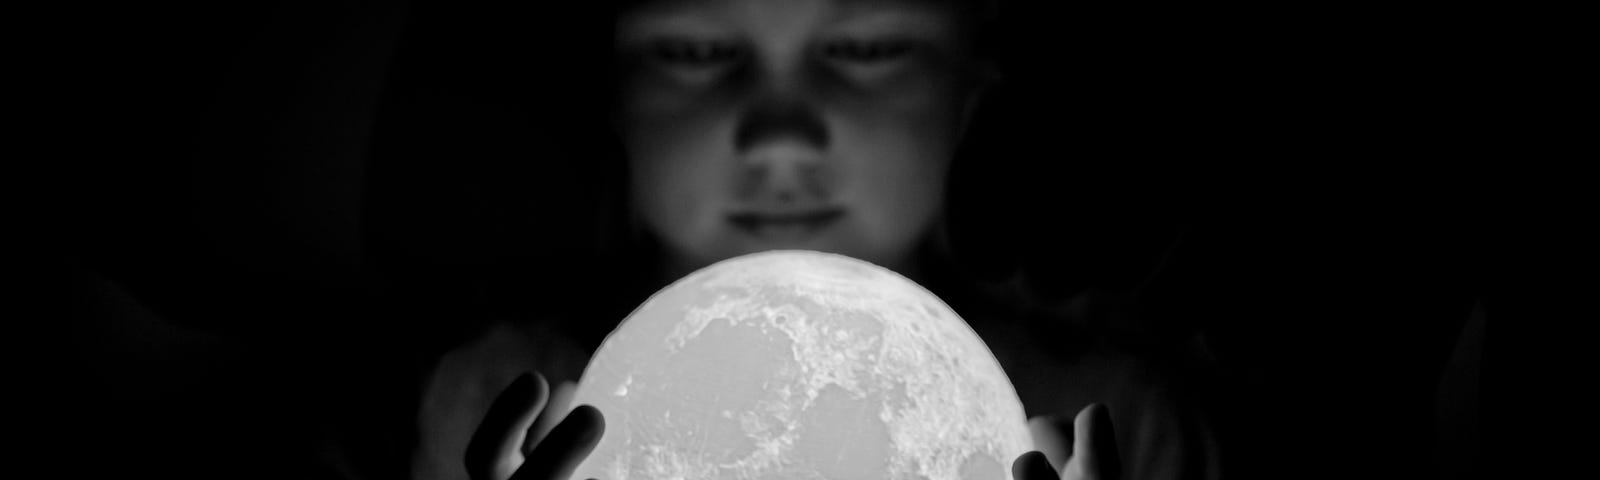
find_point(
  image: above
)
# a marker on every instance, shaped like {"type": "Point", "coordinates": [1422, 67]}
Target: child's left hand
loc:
{"type": "Point", "coordinates": [499, 448]}
{"type": "Point", "coordinates": [1095, 458]}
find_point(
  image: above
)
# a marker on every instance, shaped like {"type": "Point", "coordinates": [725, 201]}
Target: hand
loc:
{"type": "Point", "coordinates": [502, 450]}
{"type": "Point", "coordinates": [1061, 458]}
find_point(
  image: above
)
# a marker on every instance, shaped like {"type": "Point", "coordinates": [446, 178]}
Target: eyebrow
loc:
{"type": "Point", "coordinates": [644, 18]}
{"type": "Point", "coordinates": [625, 6]}
{"type": "Point", "coordinates": [849, 5]}
{"type": "Point", "coordinates": [892, 2]}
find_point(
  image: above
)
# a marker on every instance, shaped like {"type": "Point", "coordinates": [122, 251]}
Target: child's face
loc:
{"type": "Point", "coordinates": [752, 125]}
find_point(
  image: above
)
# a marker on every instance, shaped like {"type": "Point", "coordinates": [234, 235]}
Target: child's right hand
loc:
{"type": "Point", "coordinates": [500, 448]}
{"type": "Point", "coordinates": [1093, 457]}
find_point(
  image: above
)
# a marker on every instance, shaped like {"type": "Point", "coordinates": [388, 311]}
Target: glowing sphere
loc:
{"type": "Point", "coordinates": [799, 365]}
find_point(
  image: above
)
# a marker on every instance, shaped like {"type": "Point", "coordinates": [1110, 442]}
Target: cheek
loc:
{"type": "Point", "coordinates": [914, 114]}
{"type": "Point", "coordinates": [678, 160]}
{"type": "Point", "coordinates": [900, 147]}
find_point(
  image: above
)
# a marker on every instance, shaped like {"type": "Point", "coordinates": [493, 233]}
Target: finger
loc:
{"type": "Point", "coordinates": [554, 411]}
{"type": "Point", "coordinates": [1095, 456]}
{"type": "Point", "coordinates": [1053, 438]}
{"type": "Point", "coordinates": [567, 445]}
{"type": "Point", "coordinates": [1033, 466]}
{"type": "Point", "coordinates": [492, 452]}
{"type": "Point", "coordinates": [1103, 438]}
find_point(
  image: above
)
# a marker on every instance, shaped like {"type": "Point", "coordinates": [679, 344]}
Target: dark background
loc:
{"type": "Point", "coordinates": [255, 271]}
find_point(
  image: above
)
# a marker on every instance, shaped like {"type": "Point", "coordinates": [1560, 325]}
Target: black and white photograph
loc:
{"type": "Point", "coordinates": [779, 239]}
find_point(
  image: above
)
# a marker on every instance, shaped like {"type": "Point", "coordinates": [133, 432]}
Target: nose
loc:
{"type": "Point", "coordinates": [781, 139]}
{"type": "Point", "coordinates": [776, 120]}
{"type": "Point", "coordinates": [781, 148]}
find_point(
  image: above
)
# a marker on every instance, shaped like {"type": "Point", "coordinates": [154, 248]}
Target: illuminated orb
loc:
{"type": "Point", "coordinates": [799, 365]}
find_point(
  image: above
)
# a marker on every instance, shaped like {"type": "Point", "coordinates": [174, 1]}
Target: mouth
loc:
{"type": "Point", "coordinates": [779, 225]}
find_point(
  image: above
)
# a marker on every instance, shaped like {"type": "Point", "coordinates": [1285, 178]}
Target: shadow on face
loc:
{"type": "Point", "coordinates": [752, 125]}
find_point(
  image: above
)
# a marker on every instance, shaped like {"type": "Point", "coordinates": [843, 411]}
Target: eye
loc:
{"type": "Point", "coordinates": [695, 53]}
{"type": "Point", "coordinates": [869, 51]}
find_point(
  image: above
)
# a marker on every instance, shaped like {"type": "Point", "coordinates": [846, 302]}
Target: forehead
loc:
{"type": "Point", "coordinates": [672, 4]}
{"type": "Point", "coordinates": [769, 10]}
{"type": "Point", "coordinates": [787, 23]}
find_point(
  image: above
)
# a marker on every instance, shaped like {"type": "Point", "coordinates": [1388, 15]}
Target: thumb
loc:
{"type": "Point", "coordinates": [1053, 437]}
{"type": "Point", "coordinates": [493, 452]}
{"type": "Point", "coordinates": [555, 409]}
{"type": "Point", "coordinates": [1094, 456]}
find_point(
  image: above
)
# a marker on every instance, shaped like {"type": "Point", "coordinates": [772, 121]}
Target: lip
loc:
{"type": "Point", "coordinates": [784, 223]}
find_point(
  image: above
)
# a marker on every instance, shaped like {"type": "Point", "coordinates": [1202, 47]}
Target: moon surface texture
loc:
{"type": "Point", "coordinates": [799, 365]}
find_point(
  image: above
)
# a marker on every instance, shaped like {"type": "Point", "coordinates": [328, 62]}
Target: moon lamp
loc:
{"type": "Point", "coordinates": [801, 365]}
